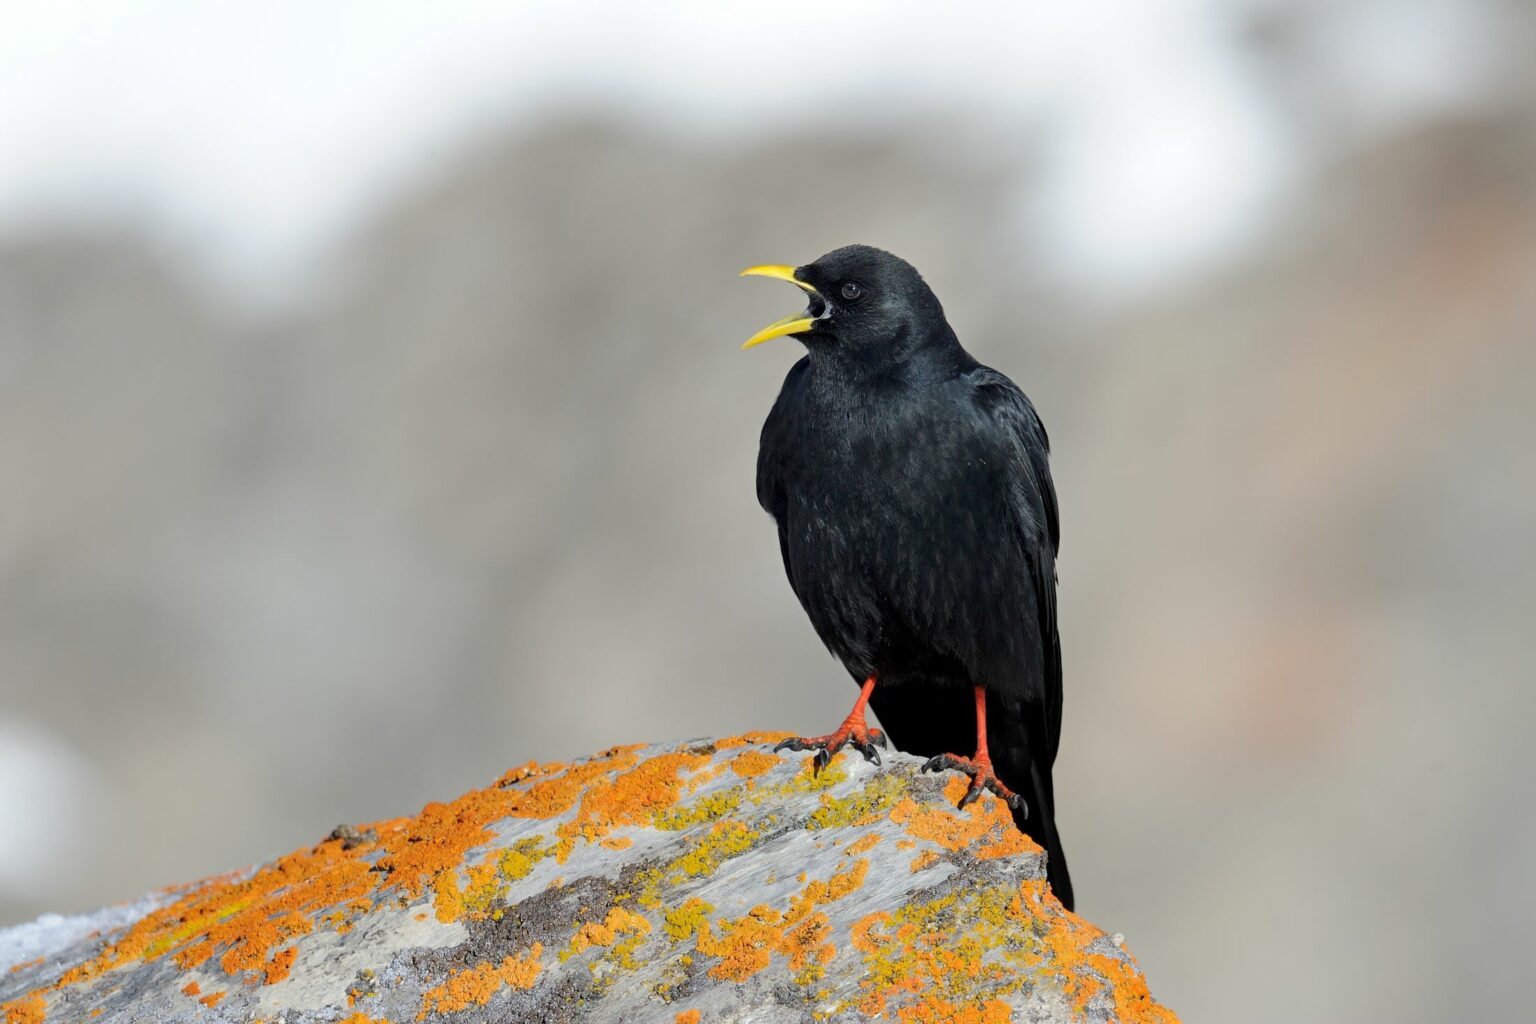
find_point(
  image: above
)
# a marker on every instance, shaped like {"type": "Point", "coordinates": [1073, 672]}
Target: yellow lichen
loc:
{"type": "Point", "coordinates": [710, 808]}
{"type": "Point", "coordinates": [518, 861]}
{"type": "Point", "coordinates": [725, 840]}
{"type": "Point", "coordinates": [681, 923]}
{"type": "Point", "coordinates": [877, 797]}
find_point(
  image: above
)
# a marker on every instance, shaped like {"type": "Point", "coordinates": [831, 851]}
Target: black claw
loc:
{"type": "Point", "coordinates": [971, 795]}
{"type": "Point", "coordinates": [1019, 804]}
{"type": "Point", "coordinates": [870, 753]}
{"type": "Point", "coordinates": [789, 744]}
{"type": "Point", "coordinates": [878, 736]}
{"type": "Point", "coordinates": [823, 758]}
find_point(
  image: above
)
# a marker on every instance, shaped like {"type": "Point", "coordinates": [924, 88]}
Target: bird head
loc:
{"type": "Point", "coordinates": [863, 304]}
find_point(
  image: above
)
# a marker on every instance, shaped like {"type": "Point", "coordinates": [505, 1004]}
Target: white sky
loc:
{"type": "Point", "coordinates": [258, 131]}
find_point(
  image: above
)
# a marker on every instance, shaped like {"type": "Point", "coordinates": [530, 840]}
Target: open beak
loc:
{"type": "Point", "coordinates": [795, 323]}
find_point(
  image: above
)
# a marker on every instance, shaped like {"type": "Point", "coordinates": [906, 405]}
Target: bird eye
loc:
{"type": "Point", "coordinates": [852, 291]}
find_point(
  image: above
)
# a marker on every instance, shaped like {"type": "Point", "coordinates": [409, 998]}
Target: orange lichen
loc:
{"type": "Point", "coordinates": [749, 764]}
{"type": "Point", "coordinates": [212, 999]}
{"type": "Point", "coordinates": [281, 964]}
{"type": "Point", "coordinates": [749, 738]}
{"type": "Point", "coordinates": [30, 1009]}
{"type": "Point", "coordinates": [362, 1018]}
{"type": "Point", "coordinates": [863, 843]}
{"type": "Point", "coordinates": [526, 771]}
{"type": "Point", "coordinates": [476, 985]}
{"type": "Point", "coordinates": [606, 932]}
{"type": "Point", "coordinates": [702, 777]}
{"type": "Point", "coordinates": [1009, 844]}
{"type": "Point", "coordinates": [15, 968]}
{"type": "Point", "coordinates": [687, 1017]}
{"type": "Point", "coordinates": [859, 933]}
{"type": "Point", "coordinates": [908, 960]}
{"type": "Point", "coordinates": [1066, 940]}
{"type": "Point", "coordinates": [957, 957]}
{"type": "Point", "coordinates": [192, 988]}
{"type": "Point", "coordinates": [250, 944]}
{"type": "Point", "coordinates": [629, 798]}
{"type": "Point", "coordinates": [746, 945]}
{"type": "Point", "coordinates": [988, 818]}
{"type": "Point", "coordinates": [954, 958]}
{"type": "Point", "coordinates": [934, 1010]}
{"type": "Point", "coordinates": [818, 892]}
{"type": "Point", "coordinates": [808, 947]}
{"type": "Point", "coordinates": [924, 861]}
{"type": "Point", "coordinates": [243, 917]}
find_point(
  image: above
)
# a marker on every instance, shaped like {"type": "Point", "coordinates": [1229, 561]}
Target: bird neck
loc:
{"type": "Point", "coordinates": [913, 356]}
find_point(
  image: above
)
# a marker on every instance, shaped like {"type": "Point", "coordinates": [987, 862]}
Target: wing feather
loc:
{"type": "Point", "coordinates": [1032, 500]}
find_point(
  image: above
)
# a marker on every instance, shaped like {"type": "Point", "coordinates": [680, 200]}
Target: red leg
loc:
{"type": "Point", "coordinates": [979, 768]}
{"type": "Point", "coordinates": [854, 730]}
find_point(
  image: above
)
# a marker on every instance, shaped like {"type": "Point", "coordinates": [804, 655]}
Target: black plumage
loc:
{"type": "Point", "coordinates": [919, 529]}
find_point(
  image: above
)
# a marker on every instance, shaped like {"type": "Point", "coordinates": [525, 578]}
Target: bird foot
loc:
{"type": "Point", "coordinates": [852, 733]}
{"type": "Point", "coordinates": [982, 778]}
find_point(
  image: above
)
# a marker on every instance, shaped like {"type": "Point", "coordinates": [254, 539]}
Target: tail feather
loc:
{"type": "Point", "coordinates": [1040, 825]}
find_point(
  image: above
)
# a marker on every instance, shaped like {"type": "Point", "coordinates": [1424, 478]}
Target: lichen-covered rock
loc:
{"type": "Point", "coordinates": [702, 883]}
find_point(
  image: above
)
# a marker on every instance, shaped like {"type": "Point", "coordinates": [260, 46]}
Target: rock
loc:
{"type": "Point", "coordinates": [699, 883]}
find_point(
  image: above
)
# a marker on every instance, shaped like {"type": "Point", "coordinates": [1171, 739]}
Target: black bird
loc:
{"type": "Point", "coordinates": [918, 526]}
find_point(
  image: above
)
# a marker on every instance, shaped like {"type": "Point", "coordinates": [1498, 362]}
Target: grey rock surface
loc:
{"type": "Point", "coordinates": [709, 881]}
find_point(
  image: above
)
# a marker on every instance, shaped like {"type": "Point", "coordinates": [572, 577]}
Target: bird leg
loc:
{"type": "Point", "coordinates": [853, 731]}
{"type": "Point", "coordinates": [979, 768]}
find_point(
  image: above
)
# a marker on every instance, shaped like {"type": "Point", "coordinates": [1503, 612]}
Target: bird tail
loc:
{"type": "Point", "coordinates": [1039, 823]}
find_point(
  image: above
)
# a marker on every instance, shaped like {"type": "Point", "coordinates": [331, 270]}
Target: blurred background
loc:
{"type": "Point", "coordinates": [372, 420]}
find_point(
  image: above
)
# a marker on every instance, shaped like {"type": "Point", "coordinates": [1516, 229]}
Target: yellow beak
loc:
{"type": "Point", "coordinates": [795, 323]}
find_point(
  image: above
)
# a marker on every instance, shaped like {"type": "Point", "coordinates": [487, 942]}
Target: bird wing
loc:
{"type": "Point", "coordinates": [771, 494]}
{"type": "Point", "coordinates": [1032, 504]}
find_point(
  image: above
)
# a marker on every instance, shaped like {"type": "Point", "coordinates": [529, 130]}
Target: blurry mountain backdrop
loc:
{"type": "Point", "coordinates": [479, 489]}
